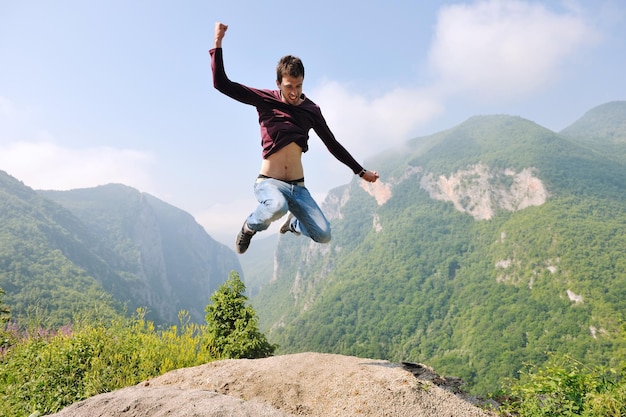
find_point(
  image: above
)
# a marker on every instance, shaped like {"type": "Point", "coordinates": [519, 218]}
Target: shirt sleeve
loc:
{"type": "Point", "coordinates": [230, 88]}
{"type": "Point", "coordinates": [336, 149]}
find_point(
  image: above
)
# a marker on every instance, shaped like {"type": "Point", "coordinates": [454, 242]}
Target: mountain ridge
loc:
{"type": "Point", "coordinates": [159, 241]}
{"type": "Point", "coordinates": [401, 278]}
{"type": "Point", "coordinates": [132, 246]}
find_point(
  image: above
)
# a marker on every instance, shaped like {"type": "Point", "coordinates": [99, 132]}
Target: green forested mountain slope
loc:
{"type": "Point", "coordinates": [106, 249]}
{"type": "Point", "coordinates": [167, 259]}
{"type": "Point", "coordinates": [38, 240]}
{"type": "Point", "coordinates": [603, 128]}
{"type": "Point", "coordinates": [484, 246]}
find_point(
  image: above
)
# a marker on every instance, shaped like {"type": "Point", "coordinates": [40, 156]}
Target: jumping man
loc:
{"type": "Point", "coordinates": [286, 116]}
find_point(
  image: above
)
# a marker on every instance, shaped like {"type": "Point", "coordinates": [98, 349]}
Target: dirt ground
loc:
{"type": "Point", "coordinates": [305, 384]}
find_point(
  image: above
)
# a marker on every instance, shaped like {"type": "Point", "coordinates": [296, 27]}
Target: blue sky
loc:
{"type": "Point", "coordinates": [96, 92]}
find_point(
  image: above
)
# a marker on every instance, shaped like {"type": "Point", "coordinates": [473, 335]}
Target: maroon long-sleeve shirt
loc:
{"type": "Point", "coordinates": [281, 123]}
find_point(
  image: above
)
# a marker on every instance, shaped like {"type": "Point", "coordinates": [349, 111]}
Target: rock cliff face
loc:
{"type": "Point", "coordinates": [194, 264]}
{"type": "Point", "coordinates": [478, 190]}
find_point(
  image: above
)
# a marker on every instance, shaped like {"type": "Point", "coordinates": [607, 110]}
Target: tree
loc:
{"type": "Point", "coordinates": [232, 324]}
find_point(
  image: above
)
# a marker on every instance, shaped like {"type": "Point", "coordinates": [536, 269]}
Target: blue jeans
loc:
{"type": "Point", "coordinates": [277, 197]}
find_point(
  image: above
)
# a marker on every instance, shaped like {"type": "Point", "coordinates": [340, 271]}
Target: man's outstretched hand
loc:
{"type": "Point", "coordinates": [370, 176]}
{"type": "Point", "coordinates": [220, 31]}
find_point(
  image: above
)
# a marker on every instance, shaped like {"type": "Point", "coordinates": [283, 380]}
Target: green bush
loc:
{"type": "Point", "coordinates": [46, 372]}
{"type": "Point", "coordinates": [565, 387]}
{"type": "Point", "coordinates": [42, 371]}
{"type": "Point", "coordinates": [232, 324]}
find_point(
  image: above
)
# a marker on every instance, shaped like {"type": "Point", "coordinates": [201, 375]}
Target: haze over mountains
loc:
{"type": "Point", "coordinates": [482, 247]}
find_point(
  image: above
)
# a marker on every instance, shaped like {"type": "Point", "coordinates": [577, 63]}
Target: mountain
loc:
{"type": "Point", "coordinates": [602, 128]}
{"type": "Point", "coordinates": [38, 239]}
{"type": "Point", "coordinates": [481, 248]}
{"type": "Point", "coordinates": [64, 251]}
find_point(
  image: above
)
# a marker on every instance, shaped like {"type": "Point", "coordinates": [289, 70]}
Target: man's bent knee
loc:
{"type": "Point", "coordinates": [322, 237]}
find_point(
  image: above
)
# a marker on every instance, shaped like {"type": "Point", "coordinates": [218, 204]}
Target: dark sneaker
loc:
{"type": "Point", "coordinates": [286, 227]}
{"type": "Point", "coordinates": [243, 240]}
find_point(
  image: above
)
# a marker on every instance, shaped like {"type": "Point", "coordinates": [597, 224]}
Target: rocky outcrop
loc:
{"type": "Point", "coordinates": [478, 190]}
{"type": "Point", "coordinates": [311, 384]}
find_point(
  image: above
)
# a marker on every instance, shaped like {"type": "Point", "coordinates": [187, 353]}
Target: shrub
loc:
{"type": "Point", "coordinates": [44, 372]}
{"type": "Point", "coordinates": [232, 324]}
{"type": "Point", "coordinates": [565, 387]}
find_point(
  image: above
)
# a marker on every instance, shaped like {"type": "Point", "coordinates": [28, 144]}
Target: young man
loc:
{"type": "Point", "coordinates": [285, 116]}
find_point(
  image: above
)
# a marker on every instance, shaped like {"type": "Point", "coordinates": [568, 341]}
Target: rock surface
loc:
{"type": "Point", "coordinates": [305, 384]}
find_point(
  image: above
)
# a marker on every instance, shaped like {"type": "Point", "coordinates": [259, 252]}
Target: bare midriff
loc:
{"type": "Point", "coordinates": [285, 164]}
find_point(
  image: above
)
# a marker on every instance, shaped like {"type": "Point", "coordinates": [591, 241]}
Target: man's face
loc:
{"type": "Point", "coordinates": [291, 89]}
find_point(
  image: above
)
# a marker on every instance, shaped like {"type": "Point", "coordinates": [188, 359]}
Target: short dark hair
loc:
{"type": "Point", "coordinates": [290, 65]}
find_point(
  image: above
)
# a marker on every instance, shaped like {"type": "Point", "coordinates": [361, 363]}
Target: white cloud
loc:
{"type": "Point", "coordinates": [492, 49]}
{"type": "Point", "coordinates": [37, 159]}
{"type": "Point", "coordinates": [44, 165]}
{"type": "Point", "coordinates": [366, 126]}
{"type": "Point", "coordinates": [504, 48]}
